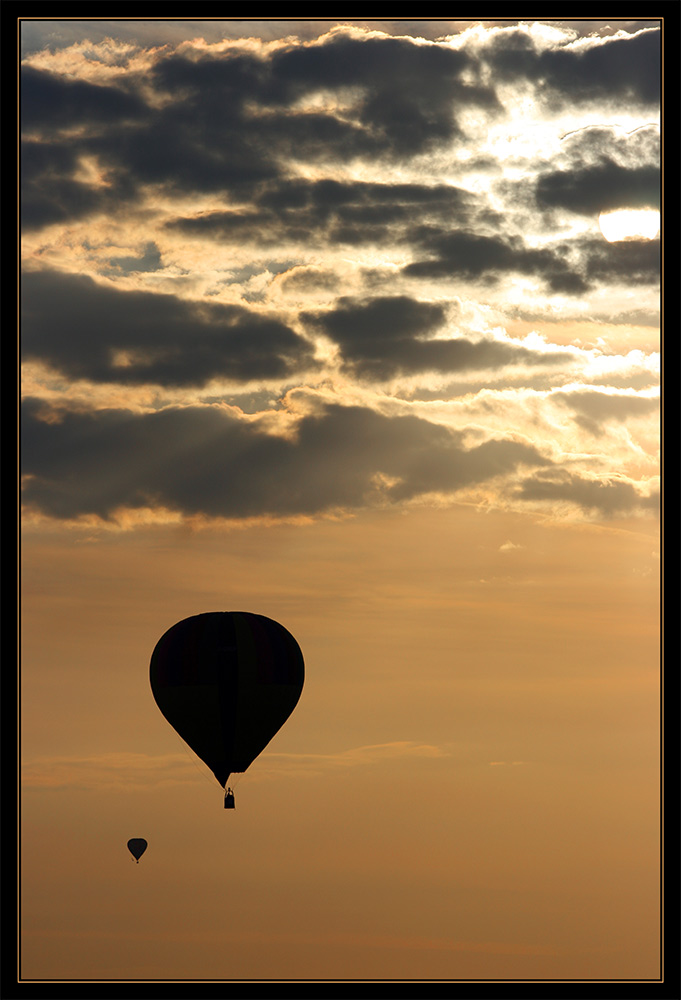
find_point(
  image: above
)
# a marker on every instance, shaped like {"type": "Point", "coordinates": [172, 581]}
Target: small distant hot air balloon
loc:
{"type": "Point", "coordinates": [137, 846]}
{"type": "Point", "coordinates": [227, 681]}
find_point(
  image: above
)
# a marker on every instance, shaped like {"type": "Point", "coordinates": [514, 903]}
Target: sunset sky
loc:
{"type": "Point", "coordinates": [356, 325]}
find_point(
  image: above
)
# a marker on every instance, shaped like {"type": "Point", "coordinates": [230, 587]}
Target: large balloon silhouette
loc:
{"type": "Point", "coordinates": [227, 681]}
{"type": "Point", "coordinates": [137, 846]}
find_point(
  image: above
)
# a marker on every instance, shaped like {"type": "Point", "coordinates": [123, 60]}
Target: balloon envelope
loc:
{"type": "Point", "coordinates": [227, 681]}
{"type": "Point", "coordinates": [137, 846]}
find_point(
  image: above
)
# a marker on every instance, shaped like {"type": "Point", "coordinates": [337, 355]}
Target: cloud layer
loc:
{"type": "Point", "coordinates": [310, 274]}
{"type": "Point", "coordinates": [204, 460]}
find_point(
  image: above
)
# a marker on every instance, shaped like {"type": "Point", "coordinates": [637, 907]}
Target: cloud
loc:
{"type": "Point", "coordinates": [609, 143]}
{"type": "Point", "coordinates": [594, 409]}
{"type": "Point", "coordinates": [227, 120]}
{"type": "Point", "coordinates": [623, 69]}
{"type": "Point", "coordinates": [364, 756]}
{"type": "Point", "coordinates": [205, 461]}
{"type": "Point", "coordinates": [608, 496]}
{"type": "Point", "coordinates": [139, 772]}
{"type": "Point", "coordinates": [150, 260]}
{"type": "Point", "coordinates": [303, 279]}
{"type": "Point", "coordinates": [231, 219]}
{"type": "Point", "coordinates": [466, 255]}
{"type": "Point", "coordinates": [600, 188]}
{"type": "Point", "coordinates": [509, 547]}
{"type": "Point", "coordinates": [386, 336]}
{"type": "Point", "coordinates": [52, 188]}
{"type": "Point", "coordinates": [91, 331]}
{"type": "Point", "coordinates": [120, 770]}
{"type": "Point", "coordinates": [407, 94]}
{"type": "Point", "coordinates": [51, 102]}
{"type": "Point", "coordinates": [630, 262]}
{"type": "Point", "coordinates": [337, 212]}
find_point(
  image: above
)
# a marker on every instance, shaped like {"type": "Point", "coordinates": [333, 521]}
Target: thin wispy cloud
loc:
{"type": "Point", "coordinates": [119, 770]}
{"type": "Point", "coordinates": [137, 771]}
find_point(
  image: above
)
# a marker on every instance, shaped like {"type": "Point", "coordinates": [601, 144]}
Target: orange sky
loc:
{"type": "Point", "coordinates": [467, 788]}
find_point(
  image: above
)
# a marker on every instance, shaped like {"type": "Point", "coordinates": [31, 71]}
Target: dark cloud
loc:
{"type": "Point", "coordinates": [608, 496]}
{"type": "Point", "coordinates": [258, 133]}
{"type": "Point", "coordinates": [205, 461]}
{"type": "Point", "coordinates": [631, 262]}
{"type": "Point", "coordinates": [383, 319]}
{"type": "Point", "coordinates": [622, 69]}
{"type": "Point", "coordinates": [198, 141]}
{"type": "Point", "coordinates": [181, 151]}
{"type": "Point", "coordinates": [408, 94]}
{"type": "Point", "coordinates": [204, 137]}
{"type": "Point", "coordinates": [231, 123]}
{"type": "Point", "coordinates": [472, 255]}
{"type": "Point", "coordinates": [618, 70]}
{"type": "Point", "coordinates": [596, 144]}
{"type": "Point", "coordinates": [227, 123]}
{"type": "Point", "coordinates": [49, 102]}
{"type": "Point", "coordinates": [51, 191]}
{"type": "Point", "coordinates": [330, 211]}
{"type": "Point", "coordinates": [331, 196]}
{"type": "Point", "coordinates": [384, 337]}
{"type": "Point", "coordinates": [371, 62]}
{"type": "Point", "coordinates": [254, 225]}
{"type": "Point", "coordinates": [232, 78]}
{"type": "Point", "coordinates": [594, 409]}
{"type": "Point", "coordinates": [233, 120]}
{"type": "Point", "coordinates": [149, 260]}
{"type": "Point", "coordinates": [305, 279]}
{"type": "Point", "coordinates": [600, 188]}
{"type": "Point", "coordinates": [90, 331]}
{"type": "Point", "coordinates": [59, 119]}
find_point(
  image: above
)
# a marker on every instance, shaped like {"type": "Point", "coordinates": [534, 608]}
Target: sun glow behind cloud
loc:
{"type": "Point", "coordinates": [629, 224]}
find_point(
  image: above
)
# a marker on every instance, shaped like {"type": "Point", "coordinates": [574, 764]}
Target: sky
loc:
{"type": "Point", "coordinates": [319, 320]}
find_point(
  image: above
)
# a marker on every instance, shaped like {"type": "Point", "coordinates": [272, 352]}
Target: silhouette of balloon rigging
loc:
{"type": "Point", "coordinates": [227, 681]}
{"type": "Point", "coordinates": [137, 846]}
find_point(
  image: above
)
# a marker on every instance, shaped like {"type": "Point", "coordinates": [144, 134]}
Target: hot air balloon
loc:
{"type": "Point", "coordinates": [137, 846]}
{"type": "Point", "coordinates": [227, 681]}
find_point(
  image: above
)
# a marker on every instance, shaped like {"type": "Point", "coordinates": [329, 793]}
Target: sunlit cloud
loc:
{"type": "Point", "coordinates": [381, 214]}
